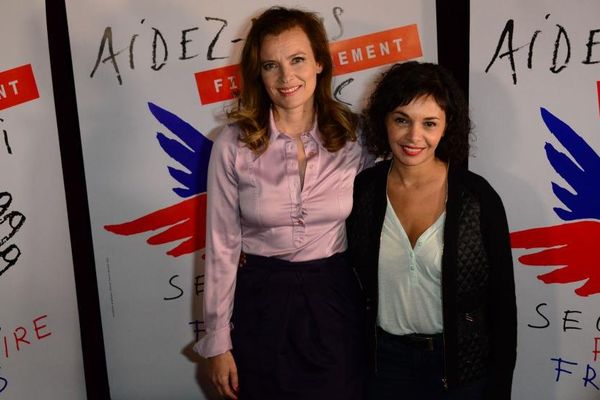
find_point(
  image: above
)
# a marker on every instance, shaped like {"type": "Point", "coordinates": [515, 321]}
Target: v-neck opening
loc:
{"type": "Point", "coordinates": [430, 230]}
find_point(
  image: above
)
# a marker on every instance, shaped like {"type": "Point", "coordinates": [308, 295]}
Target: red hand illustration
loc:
{"type": "Point", "coordinates": [574, 246]}
{"type": "Point", "coordinates": [185, 220]}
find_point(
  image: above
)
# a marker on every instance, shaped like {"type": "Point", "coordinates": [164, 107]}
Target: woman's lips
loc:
{"type": "Point", "coordinates": [288, 91]}
{"type": "Point", "coordinates": [411, 151]}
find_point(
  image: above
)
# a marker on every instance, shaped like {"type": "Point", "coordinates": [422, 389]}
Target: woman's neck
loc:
{"type": "Point", "coordinates": [414, 176]}
{"type": "Point", "coordinates": [294, 122]}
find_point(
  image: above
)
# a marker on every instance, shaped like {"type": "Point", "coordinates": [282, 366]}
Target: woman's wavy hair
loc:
{"type": "Point", "coordinates": [403, 83]}
{"type": "Point", "coordinates": [337, 124]}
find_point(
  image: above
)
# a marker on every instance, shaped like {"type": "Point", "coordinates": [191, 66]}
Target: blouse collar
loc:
{"type": "Point", "coordinates": [274, 133]}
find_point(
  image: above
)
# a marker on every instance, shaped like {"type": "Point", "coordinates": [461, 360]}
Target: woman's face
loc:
{"type": "Point", "coordinates": [289, 70]}
{"type": "Point", "coordinates": [415, 130]}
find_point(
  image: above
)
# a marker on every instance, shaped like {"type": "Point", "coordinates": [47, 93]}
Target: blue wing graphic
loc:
{"type": "Point", "coordinates": [193, 153]}
{"type": "Point", "coordinates": [581, 171]}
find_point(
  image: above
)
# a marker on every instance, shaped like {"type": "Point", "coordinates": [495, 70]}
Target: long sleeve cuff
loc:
{"type": "Point", "coordinates": [214, 342]}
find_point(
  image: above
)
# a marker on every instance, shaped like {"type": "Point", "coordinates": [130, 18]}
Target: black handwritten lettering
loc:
{"type": "Point", "coordinates": [176, 287]}
{"type": "Point", "coordinates": [337, 11]}
{"type": "Point", "coordinates": [507, 35]}
{"type": "Point", "coordinates": [561, 49]}
{"type": "Point", "coordinates": [531, 44]}
{"type": "Point", "coordinates": [184, 42]}
{"type": "Point", "coordinates": [562, 34]}
{"type": "Point", "coordinates": [9, 257]}
{"type": "Point", "coordinates": [567, 319]}
{"type": "Point", "coordinates": [11, 222]}
{"type": "Point", "coordinates": [198, 328]}
{"type": "Point", "coordinates": [590, 44]}
{"type": "Point", "coordinates": [6, 143]}
{"type": "Point", "coordinates": [3, 384]}
{"type": "Point", "coordinates": [131, 43]}
{"type": "Point", "coordinates": [158, 35]}
{"type": "Point", "coordinates": [15, 220]}
{"type": "Point", "coordinates": [211, 46]}
{"type": "Point", "coordinates": [537, 309]}
{"type": "Point", "coordinates": [199, 284]}
{"type": "Point", "coordinates": [107, 38]}
{"type": "Point", "coordinates": [340, 88]}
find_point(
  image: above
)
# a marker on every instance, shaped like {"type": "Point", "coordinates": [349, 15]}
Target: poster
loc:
{"type": "Point", "coordinates": [40, 348]}
{"type": "Point", "coordinates": [535, 100]}
{"type": "Point", "coordinates": [152, 81]}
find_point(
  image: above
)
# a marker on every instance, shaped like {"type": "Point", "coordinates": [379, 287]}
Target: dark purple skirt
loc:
{"type": "Point", "coordinates": [297, 330]}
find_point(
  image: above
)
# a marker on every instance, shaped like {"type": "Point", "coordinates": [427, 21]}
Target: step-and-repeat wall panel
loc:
{"type": "Point", "coordinates": [40, 347]}
{"type": "Point", "coordinates": [535, 93]}
{"type": "Point", "coordinates": [152, 80]}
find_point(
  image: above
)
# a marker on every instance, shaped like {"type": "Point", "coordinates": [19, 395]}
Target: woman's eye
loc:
{"type": "Point", "coordinates": [268, 66]}
{"type": "Point", "coordinates": [400, 121]}
{"type": "Point", "coordinates": [430, 124]}
{"type": "Point", "coordinates": [297, 60]}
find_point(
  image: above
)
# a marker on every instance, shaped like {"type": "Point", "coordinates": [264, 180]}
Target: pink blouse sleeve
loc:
{"type": "Point", "coordinates": [223, 244]}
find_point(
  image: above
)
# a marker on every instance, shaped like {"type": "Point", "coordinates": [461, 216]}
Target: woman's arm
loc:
{"type": "Point", "coordinates": [503, 308]}
{"type": "Point", "coordinates": [223, 244]}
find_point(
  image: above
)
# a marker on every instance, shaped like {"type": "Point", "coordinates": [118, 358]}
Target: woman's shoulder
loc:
{"type": "Point", "coordinates": [228, 137]}
{"type": "Point", "coordinates": [478, 185]}
{"type": "Point", "coordinates": [229, 133]}
{"type": "Point", "coordinates": [369, 176]}
{"type": "Point", "coordinates": [227, 146]}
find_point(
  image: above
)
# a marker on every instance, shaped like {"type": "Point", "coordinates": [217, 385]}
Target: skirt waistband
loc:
{"type": "Point", "coordinates": [253, 260]}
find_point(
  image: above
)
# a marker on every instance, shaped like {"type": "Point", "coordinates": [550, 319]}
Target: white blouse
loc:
{"type": "Point", "coordinates": [410, 294]}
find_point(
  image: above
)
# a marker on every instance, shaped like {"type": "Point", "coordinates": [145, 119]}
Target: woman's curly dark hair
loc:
{"type": "Point", "coordinates": [403, 83]}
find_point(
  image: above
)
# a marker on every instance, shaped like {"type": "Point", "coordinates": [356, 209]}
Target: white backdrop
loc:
{"type": "Point", "coordinates": [127, 54]}
{"type": "Point", "coordinates": [526, 56]}
{"type": "Point", "coordinates": [534, 72]}
{"type": "Point", "coordinates": [40, 348]}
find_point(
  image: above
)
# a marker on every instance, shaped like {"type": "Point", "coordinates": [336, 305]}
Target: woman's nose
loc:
{"type": "Point", "coordinates": [285, 74]}
{"type": "Point", "coordinates": [413, 131]}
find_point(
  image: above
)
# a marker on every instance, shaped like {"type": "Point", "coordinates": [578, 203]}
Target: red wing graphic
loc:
{"type": "Point", "coordinates": [183, 221]}
{"type": "Point", "coordinates": [574, 246]}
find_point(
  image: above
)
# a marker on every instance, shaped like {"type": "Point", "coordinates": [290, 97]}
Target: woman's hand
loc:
{"type": "Point", "coordinates": [223, 374]}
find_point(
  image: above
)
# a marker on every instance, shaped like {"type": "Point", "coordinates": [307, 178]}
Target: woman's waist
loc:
{"type": "Point", "coordinates": [259, 260]}
{"type": "Point", "coordinates": [294, 247]}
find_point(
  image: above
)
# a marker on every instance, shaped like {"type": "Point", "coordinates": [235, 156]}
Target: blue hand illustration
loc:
{"type": "Point", "coordinates": [194, 155]}
{"type": "Point", "coordinates": [582, 174]}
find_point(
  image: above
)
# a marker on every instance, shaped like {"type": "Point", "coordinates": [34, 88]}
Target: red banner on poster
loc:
{"type": "Point", "coordinates": [376, 49]}
{"type": "Point", "coordinates": [351, 55]}
{"type": "Point", "coordinates": [17, 86]}
{"type": "Point", "coordinates": [598, 86]}
{"type": "Point", "coordinates": [218, 84]}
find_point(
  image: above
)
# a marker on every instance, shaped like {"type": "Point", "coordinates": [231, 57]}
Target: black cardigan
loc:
{"type": "Point", "coordinates": [478, 292]}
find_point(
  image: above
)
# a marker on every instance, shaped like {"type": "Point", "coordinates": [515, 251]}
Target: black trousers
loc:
{"type": "Point", "coordinates": [413, 370]}
{"type": "Point", "coordinates": [297, 330]}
